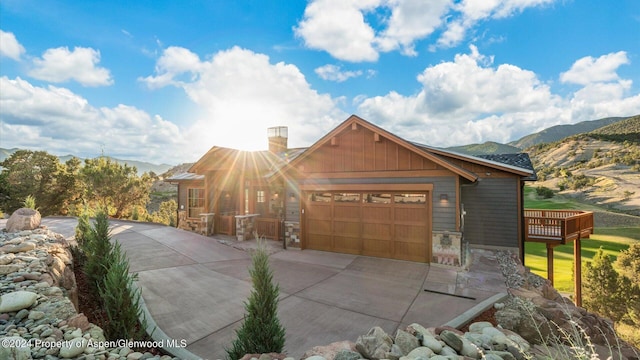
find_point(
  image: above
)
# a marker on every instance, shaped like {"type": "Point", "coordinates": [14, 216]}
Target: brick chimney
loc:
{"type": "Point", "coordinates": [277, 139]}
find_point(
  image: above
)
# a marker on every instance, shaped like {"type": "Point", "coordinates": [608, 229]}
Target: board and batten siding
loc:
{"type": "Point", "coordinates": [444, 213]}
{"type": "Point", "coordinates": [491, 209]}
{"type": "Point", "coordinates": [292, 204]}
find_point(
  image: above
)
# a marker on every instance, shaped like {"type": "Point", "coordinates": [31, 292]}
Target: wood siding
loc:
{"type": "Point", "coordinates": [491, 212]}
{"type": "Point", "coordinates": [360, 149]}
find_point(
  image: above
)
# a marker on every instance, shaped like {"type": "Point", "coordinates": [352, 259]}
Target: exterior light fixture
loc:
{"type": "Point", "coordinates": [444, 197]}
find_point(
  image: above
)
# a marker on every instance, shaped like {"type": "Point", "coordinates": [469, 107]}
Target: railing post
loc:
{"type": "Point", "coordinates": [577, 271]}
{"type": "Point", "coordinates": [550, 263]}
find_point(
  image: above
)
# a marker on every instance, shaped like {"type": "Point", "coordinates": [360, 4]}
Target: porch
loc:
{"type": "Point", "coordinates": [557, 227]}
{"type": "Point", "coordinates": [229, 223]}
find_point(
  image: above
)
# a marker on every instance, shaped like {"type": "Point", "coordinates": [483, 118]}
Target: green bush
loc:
{"type": "Point", "coordinates": [121, 299]}
{"type": "Point", "coordinates": [83, 230]}
{"type": "Point", "coordinates": [97, 248]}
{"type": "Point", "coordinates": [261, 331]}
{"type": "Point", "coordinates": [544, 192]}
{"type": "Point", "coordinates": [30, 202]}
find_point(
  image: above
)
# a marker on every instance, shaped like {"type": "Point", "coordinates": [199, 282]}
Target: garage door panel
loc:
{"type": "Point", "coordinates": [320, 212]}
{"type": "Point", "coordinates": [376, 231]}
{"type": "Point", "coordinates": [346, 244]}
{"type": "Point", "coordinates": [411, 214]}
{"type": "Point", "coordinates": [321, 227]}
{"type": "Point", "coordinates": [377, 214]}
{"type": "Point", "coordinates": [376, 247]}
{"type": "Point", "coordinates": [410, 233]}
{"type": "Point", "coordinates": [346, 228]}
{"type": "Point", "coordinates": [410, 251]}
{"type": "Point", "coordinates": [320, 242]}
{"type": "Point", "coordinates": [343, 212]}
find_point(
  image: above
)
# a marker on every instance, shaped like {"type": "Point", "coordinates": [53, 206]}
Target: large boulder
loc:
{"type": "Point", "coordinates": [23, 219]}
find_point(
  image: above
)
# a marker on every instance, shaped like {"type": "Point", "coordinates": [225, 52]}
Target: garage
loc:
{"type": "Point", "coordinates": [372, 223]}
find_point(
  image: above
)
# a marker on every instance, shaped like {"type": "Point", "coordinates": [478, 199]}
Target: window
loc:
{"type": "Point", "coordinates": [346, 197]}
{"type": "Point", "coordinates": [410, 198]}
{"type": "Point", "coordinates": [261, 196]}
{"type": "Point", "coordinates": [376, 199]}
{"type": "Point", "coordinates": [195, 202]}
{"type": "Point", "coordinates": [321, 197]}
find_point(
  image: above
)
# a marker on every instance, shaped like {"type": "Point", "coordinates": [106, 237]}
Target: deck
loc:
{"type": "Point", "coordinates": [557, 227]}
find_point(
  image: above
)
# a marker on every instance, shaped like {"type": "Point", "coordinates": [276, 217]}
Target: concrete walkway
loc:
{"type": "Point", "coordinates": [194, 288]}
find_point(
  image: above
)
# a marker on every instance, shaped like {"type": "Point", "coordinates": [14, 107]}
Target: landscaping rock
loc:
{"type": "Point", "coordinates": [17, 301]}
{"type": "Point", "coordinates": [375, 345]}
{"type": "Point", "coordinates": [23, 219]}
{"type": "Point", "coordinates": [332, 350]}
{"type": "Point", "coordinates": [406, 342]}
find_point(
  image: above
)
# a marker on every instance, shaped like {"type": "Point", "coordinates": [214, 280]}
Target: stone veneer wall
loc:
{"type": "Point", "coordinates": [245, 225]}
{"type": "Point", "coordinates": [292, 233]}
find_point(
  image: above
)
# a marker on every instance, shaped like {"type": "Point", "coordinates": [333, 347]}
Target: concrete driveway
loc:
{"type": "Point", "coordinates": [194, 288]}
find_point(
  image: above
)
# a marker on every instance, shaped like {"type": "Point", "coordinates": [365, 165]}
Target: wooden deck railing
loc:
{"type": "Point", "coordinates": [268, 228]}
{"type": "Point", "coordinates": [557, 225]}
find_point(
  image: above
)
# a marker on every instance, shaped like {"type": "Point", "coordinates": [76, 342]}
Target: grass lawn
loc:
{"type": "Point", "coordinates": [611, 239]}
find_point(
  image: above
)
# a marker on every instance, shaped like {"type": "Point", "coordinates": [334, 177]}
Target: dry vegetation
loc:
{"type": "Point", "coordinates": [597, 171]}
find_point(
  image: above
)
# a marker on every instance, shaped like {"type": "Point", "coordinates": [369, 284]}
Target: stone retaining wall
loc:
{"type": "Point", "coordinates": [39, 301]}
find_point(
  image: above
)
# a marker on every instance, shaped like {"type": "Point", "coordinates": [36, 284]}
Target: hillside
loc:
{"type": "Point", "coordinates": [559, 132]}
{"type": "Point", "coordinates": [486, 148]}
{"type": "Point", "coordinates": [600, 167]}
{"type": "Point", "coordinates": [141, 166]}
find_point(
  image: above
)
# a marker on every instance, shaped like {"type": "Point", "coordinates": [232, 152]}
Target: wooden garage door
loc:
{"type": "Point", "coordinates": [390, 225]}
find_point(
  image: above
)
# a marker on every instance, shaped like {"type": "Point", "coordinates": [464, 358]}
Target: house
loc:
{"type": "Point", "coordinates": [360, 190]}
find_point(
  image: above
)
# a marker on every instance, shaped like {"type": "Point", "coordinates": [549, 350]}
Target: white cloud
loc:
{"type": "Point", "coordinates": [339, 27]}
{"type": "Point", "coordinates": [411, 20]}
{"type": "Point", "coordinates": [9, 46]}
{"type": "Point", "coordinates": [589, 70]}
{"type": "Point", "coordinates": [61, 65]}
{"type": "Point", "coordinates": [59, 121]}
{"type": "Point", "coordinates": [471, 100]}
{"type": "Point", "coordinates": [334, 73]}
{"type": "Point", "coordinates": [467, 13]}
{"type": "Point", "coordinates": [343, 29]}
{"type": "Point", "coordinates": [241, 94]}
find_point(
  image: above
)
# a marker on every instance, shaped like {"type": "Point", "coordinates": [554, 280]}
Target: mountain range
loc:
{"type": "Point", "coordinates": [548, 135]}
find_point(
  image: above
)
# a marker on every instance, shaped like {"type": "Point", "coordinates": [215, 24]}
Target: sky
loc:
{"type": "Point", "coordinates": [163, 81]}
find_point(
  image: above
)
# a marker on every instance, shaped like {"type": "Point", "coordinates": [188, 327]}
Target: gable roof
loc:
{"type": "Point", "coordinates": [518, 164]}
{"type": "Point", "coordinates": [354, 119]}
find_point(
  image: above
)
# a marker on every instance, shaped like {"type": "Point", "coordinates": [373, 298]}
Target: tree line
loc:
{"type": "Point", "coordinates": [76, 187]}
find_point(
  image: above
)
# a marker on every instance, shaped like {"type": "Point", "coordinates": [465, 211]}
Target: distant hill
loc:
{"type": "Point", "coordinates": [559, 132]}
{"type": "Point", "coordinates": [624, 130]}
{"type": "Point", "coordinates": [600, 166]}
{"type": "Point", "coordinates": [487, 148]}
{"type": "Point", "coordinates": [140, 165]}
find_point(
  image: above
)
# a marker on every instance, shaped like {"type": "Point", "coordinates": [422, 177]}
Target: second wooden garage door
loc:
{"type": "Point", "coordinates": [390, 225]}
